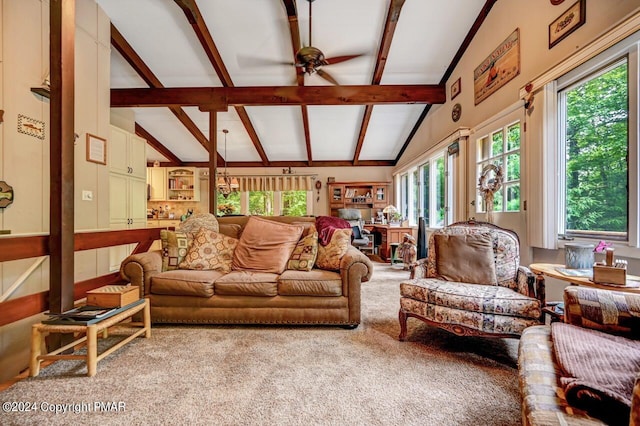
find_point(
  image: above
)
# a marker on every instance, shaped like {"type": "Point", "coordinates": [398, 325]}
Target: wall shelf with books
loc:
{"type": "Point", "coordinates": [370, 197]}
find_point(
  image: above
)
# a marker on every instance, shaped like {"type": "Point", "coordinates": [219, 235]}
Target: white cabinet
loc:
{"type": "Point", "coordinates": [157, 180]}
{"type": "Point", "coordinates": [127, 153]}
{"type": "Point", "coordinates": [183, 184]}
{"type": "Point", "coordinates": [127, 188]}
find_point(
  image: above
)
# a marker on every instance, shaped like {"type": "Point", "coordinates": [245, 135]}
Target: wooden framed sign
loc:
{"type": "Point", "coordinates": [502, 65]}
{"type": "Point", "coordinates": [567, 23]}
{"type": "Point", "coordinates": [96, 149]}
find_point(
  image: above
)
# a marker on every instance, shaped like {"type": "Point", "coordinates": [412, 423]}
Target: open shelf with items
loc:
{"type": "Point", "coordinates": [183, 184]}
{"type": "Point", "coordinates": [370, 197]}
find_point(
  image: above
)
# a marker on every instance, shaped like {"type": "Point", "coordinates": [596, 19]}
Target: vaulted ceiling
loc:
{"type": "Point", "coordinates": [201, 55]}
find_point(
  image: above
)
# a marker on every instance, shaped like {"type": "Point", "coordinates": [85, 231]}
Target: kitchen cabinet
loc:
{"type": "Point", "coordinates": [127, 153]}
{"type": "Point", "coordinates": [183, 184]}
{"type": "Point", "coordinates": [157, 181]}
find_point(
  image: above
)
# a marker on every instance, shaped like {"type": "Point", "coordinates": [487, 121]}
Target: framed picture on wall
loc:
{"type": "Point", "coordinates": [567, 23]}
{"type": "Point", "coordinates": [456, 87]}
{"type": "Point", "coordinates": [96, 149]}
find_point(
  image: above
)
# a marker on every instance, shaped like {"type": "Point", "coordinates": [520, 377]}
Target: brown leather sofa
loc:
{"type": "Point", "coordinates": [210, 297]}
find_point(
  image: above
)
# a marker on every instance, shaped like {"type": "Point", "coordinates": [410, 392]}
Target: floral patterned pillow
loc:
{"type": "Point", "coordinates": [174, 248]}
{"type": "Point", "coordinates": [304, 255]}
{"type": "Point", "coordinates": [329, 256]}
{"type": "Point", "coordinates": [210, 250]}
{"type": "Point", "coordinates": [199, 221]}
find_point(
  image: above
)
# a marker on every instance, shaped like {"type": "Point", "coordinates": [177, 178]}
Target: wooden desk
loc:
{"type": "Point", "coordinates": [89, 338]}
{"type": "Point", "coordinates": [388, 235]}
{"type": "Point", "coordinates": [550, 270]}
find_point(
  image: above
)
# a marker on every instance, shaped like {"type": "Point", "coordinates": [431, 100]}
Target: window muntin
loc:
{"type": "Point", "coordinates": [501, 148]}
{"type": "Point", "coordinates": [594, 146]}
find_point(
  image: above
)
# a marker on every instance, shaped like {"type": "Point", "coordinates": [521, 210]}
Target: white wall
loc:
{"type": "Point", "coordinates": [24, 161]}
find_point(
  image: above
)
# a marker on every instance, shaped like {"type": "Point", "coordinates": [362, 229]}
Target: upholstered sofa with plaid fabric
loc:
{"type": "Point", "coordinates": [544, 401]}
{"type": "Point", "coordinates": [502, 308]}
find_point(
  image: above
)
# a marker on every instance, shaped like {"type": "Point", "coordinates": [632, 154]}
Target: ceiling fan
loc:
{"type": "Point", "coordinates": [311, 59]}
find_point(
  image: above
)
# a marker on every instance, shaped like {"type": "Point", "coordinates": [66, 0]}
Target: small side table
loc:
{"type": "Point", "coordinates": [90, 338]}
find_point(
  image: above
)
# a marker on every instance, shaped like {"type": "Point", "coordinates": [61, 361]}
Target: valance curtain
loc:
{"type": "Point", "coordinates": [276, 183]}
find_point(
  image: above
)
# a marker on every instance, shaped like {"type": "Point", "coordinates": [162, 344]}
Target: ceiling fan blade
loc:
{"type": "Point", "coordinates": [338, 59]}
{"type": "Point", "coordinates": [327, 77]}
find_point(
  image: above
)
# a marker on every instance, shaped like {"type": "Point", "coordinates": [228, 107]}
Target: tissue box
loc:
{"type": "Point", "coordinates": [609, 275]}
{"type": "Point", "coordinates": [113, 296]}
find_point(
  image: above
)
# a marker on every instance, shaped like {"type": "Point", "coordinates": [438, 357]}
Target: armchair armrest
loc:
{"type": "Point", "coordinates": [139, 268]}
{"type": "Point", "coordinates": [605, 310]}
{"type": "Point", "coordinates": [530, 284]}
{"type": "Point", "coordinates": [419, 269]}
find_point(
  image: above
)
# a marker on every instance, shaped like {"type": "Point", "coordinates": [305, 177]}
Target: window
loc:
{"type": "Point", "coordinates": [228, 205]}
{"type": "Point", "coordinates": [293, 203]}
{"type": "Point", "coordinates": [593, 117]}
{"type": "Point", "coordinates": [261, 203]}
{"type": "Point", "coordinates": [430, 186]}
{"type": "Point", "coordinates": [404, 195]}
{"type": "Point", "coordinates": [501, 148]}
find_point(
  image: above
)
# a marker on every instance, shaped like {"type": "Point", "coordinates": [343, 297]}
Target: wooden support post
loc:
{"type": "Point", "coordinates": [61, 240]}
{"type": "Point", "coordinates": [213, 161]}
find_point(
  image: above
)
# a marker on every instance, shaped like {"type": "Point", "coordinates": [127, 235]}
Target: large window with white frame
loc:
{"type": "Point", "coordinates": [597, 146]}
{"type": "Point", "coordinates": [593, 130]}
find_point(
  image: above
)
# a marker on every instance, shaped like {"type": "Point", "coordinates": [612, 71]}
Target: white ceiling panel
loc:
{"type": "Point", "coordinates": [122, 75]}
{"type": "Point", "coordinates": [388, 129]}
{"type": "Point", "coordinates": [280, 131]}
{"type": "Point", "coordinates": [428, 35]}
{"type": "Point", "coordinates": [239, 144]}
{"type": "Point", "coordinates": [153, 155]}
{"type": "Point", "coordinates": [161, 35]}
{"type": "Point", "coordinates": [166, 128]}
{"type": "Point", "coordinates": [334, 131]}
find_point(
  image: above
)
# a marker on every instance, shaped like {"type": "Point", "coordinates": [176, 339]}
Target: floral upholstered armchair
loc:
{"type": "Point", "coordinates": [471, 283]}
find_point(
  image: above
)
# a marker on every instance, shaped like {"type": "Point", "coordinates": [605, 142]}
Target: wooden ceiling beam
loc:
{"type": "Point", "coordinates": [216, 98]}
{"type": "Point", "coordinates": [158, 146]}
{"type": "Point", "coordinates": [193, 15]}
{"type": "Point", "coordinates": [294, 30]}
{"type": "Point", "coordinates": [131, 56]}
{"type": "Point", "coordinates": [393, 15]}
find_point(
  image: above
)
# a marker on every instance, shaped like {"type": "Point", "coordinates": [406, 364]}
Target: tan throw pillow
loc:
{"type": "Point", "coordinates": [210, 250]}
{"type": "Point", "coordinates": [174, 248]}
{"type": "Point", "coordinates": [304, 255]}
{"type": "Point", "coordinates": [466, 258]}
{"type": "Point", "coordinates": [265, 246]}
{"type": "Point", "coordinates": [329, 256]}
{"type": "Point", "coordinates": [198, 221]}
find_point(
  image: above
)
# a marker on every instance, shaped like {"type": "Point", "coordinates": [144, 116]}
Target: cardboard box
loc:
{"type": "Point", "coordinates": [113, 296]}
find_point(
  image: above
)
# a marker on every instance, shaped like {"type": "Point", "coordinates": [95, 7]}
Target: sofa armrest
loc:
{"type": "Point", "coordinates": [354, 265]}
{"type": "Point", "coordinates": [600, 309]}
{"type": "Point", "coordinates": [139, 268]}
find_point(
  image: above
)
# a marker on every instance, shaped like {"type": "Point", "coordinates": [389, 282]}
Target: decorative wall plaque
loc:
{"type": "Point", "coordinates": [6, 194]}
{"type": "Point", "coordinates": [30, 126]}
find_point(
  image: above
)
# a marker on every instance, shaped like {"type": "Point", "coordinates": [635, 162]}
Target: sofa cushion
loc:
{"type": "Point", "coordinates": [174, 248]}
{"type": "Point", "coordinates": [305, 253]}
{"type": "Point", "coordinates": [198, 221]}
{"type": "Point", "coordinates": [247, 283]}
{"type": "Point", "coordinates": [329, 256]}
{"type": "Point", "coordinates": [466, 258]}
{"type": "Point", "coordinates": [184, 283]}
{"type": "Point", "coordinates": [489, 299]}
{"type": "Point", "coordinates": [265, 246]}
{"type": "Point", "coordinates": [312, 283]}
{"type": "Point", "coordinates": [210, 250]}
{"type": "Point", "coordinates": [232, 230]}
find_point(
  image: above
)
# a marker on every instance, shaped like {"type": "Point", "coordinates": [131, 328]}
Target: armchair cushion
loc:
{"type": "Point", "coordinates": [466, 258]}
{"type": "Point", "coordinates": [489, 299]}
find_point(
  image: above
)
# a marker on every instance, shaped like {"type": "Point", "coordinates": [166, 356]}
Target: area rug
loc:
{"type": "Point", "coordinates": [240, 375]}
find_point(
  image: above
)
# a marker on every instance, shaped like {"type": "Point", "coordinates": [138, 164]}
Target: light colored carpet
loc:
{"type": "Point", "coordinates": [290, 376]}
